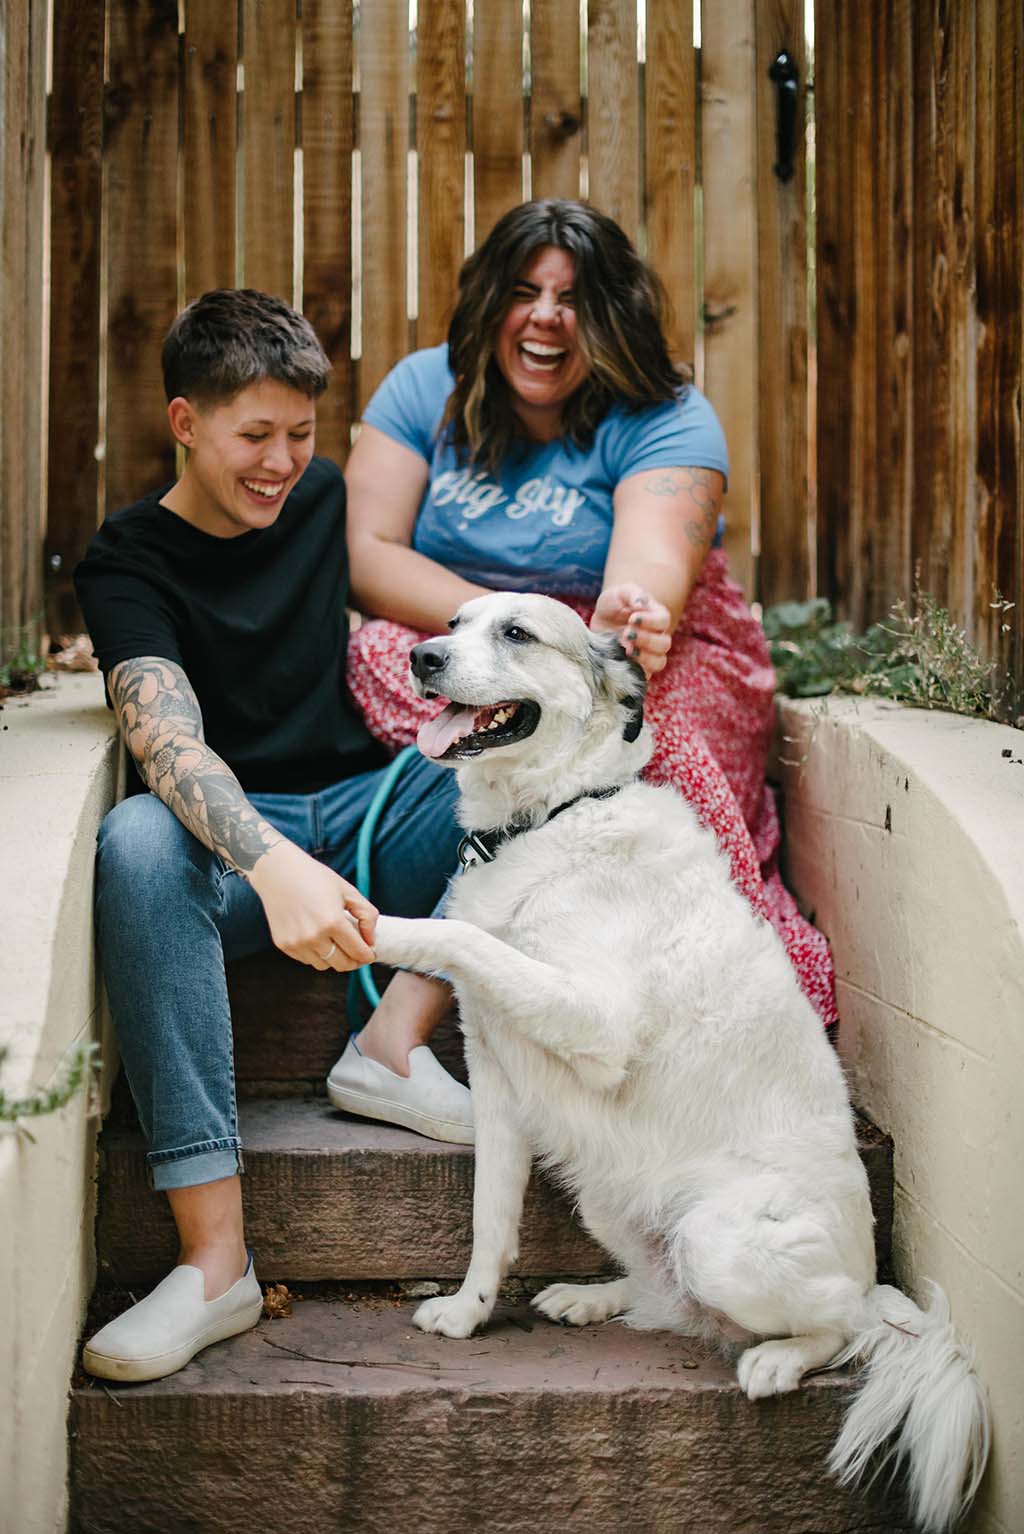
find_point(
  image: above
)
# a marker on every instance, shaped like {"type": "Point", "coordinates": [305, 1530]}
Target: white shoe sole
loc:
{"type": "Point", "coordinates": [158, 1365]}
{"type": "Point", "coordinates": [368, 1107]}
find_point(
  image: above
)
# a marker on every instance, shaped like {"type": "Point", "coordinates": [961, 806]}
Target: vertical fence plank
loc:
{"type": "Point", "coordinates": [497, 112]}
{"type": "Point", "coordinates": [383, 153]}
{"type": "Point", "coordinates": [889, 574]}
{"type": "Point", "coordinates": [670, 153]}
{"type": "Point", "coordinates": [932, 549]}
{"type": "Point", "coordinates": [613, 112]}
{"type": "Point", "coordinates": [730, 260]}
{"type": "Point", "coordinates": [860, 98]}
{"type": "Point", "coordinates": [963, 317]}
{"type": "Point", "coordinates": [76, 139]}
{"type": "Point", "coordinates": [784, 571]}
{"type": "Point", "coordinates": [268, 139]}
{"type": "Point", "coordinates": [1000, 280]}
{"type": "Point", "coordinates": [20, 510]}
{"type": "Point", "coordinates": [556, 108]}
{"type": "Point", "coordinates": [35, 382]}
{"type": "Point", "coordinates": [141, 154]}
{"type": "Point", "coordinates": [327, 207]}
{"type": "Point", "coordinates": [441, 152]}
{"type": "Point", "coordinates": [835, 299]}
{"type": "Point", "coordinates": [210, 142]}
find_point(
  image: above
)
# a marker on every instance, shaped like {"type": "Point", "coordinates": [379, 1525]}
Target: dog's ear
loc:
{"type": "Point", "coordinates": [618, 677]}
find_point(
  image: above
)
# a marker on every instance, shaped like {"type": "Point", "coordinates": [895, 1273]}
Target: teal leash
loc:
{"type": "Point", "coordinates": [364, 976]}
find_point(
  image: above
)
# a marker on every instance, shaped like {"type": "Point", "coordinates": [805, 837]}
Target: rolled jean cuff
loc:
{"type": "Point", "coordinates": [195, 1164]}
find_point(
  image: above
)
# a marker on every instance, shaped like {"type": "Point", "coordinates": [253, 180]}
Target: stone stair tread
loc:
{"type": "Point", "coordinates": [295, 1126]}
{"type": "Point", "coordinates": [345, 1411]}
{"type": "Point", "coordinates": [332, 1197]}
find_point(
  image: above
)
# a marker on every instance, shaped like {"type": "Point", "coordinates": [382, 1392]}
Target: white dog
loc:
{"type": "Point", "coordinates": [632, 1023]}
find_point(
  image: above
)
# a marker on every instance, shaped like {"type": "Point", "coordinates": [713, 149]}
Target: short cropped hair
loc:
{"type": "Point", "coordinates": [620, 325]}
{"type": "Point", "coordinates": [233, 337]}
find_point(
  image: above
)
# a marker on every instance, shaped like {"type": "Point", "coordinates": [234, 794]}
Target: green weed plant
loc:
{"type": "Point", "coordinates": [917, 656]}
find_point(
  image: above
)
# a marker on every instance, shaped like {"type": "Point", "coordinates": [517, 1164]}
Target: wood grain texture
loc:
{"type": "Point", "coordinates": [999, 195]}
{"type": "Point", "coordinates": [327, 208]}
{"type": "Point", "coordinates": [383, 149]}
{"type": "Point", "coordinates": [441, 152]}
{"type": "Point", "coordinates": [76, 139]}
{"type": "Point", "coordinates": [889, 573]}
{"type": "Point", "coordinates": [498, 121]}
{"type": "Point", "coordinates": [556, 106]}
{"type": "Point", "coordinates": [268, 143]}
{"type": "Point", "coordinates": [784, 571]}
{"type": "Point", "coordinates": [613, 112]}
{"type": "Point", "coordinates": [730, 262]}
{"type": "Point", "coordinates": [932, 549]}
{"type": "Point", "coordinates": [22, 144]}
{"type": "Point", "coordinates": [210, 121]}
{"type": "Point", "coordinates": [141, 160]}
{"type": "Point", "coordinates": [670, 163]}
{"type": "Point", "coordinates": [835, 300]}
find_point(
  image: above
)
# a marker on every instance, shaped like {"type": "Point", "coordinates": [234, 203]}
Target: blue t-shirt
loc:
{"type": "Point", "coordinates": [545, 523]}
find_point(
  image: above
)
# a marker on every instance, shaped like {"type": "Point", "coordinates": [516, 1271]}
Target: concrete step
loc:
{"type": "Point", "coordinates": [332, 1197]}
{"type": "Point", "coordinates": [344, 1417]}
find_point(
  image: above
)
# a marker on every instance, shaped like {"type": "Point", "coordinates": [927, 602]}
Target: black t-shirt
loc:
{"type": "Point", "coordinates": [257, 623]}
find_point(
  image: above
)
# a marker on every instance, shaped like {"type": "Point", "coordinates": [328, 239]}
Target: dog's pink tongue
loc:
{"type": "Point", "coordinates": [434, 737]}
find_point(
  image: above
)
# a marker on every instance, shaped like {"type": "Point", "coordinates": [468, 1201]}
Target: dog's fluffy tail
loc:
{"type": "Point", "coordinates": [920, 1403]}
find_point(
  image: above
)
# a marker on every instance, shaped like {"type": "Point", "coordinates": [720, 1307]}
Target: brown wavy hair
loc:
{"type": "Point", "coordinates": [620, 316]}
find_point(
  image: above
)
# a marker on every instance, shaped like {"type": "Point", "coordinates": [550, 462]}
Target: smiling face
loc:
{"type": "Point", "coordinates": [537, 348]}
{"type": "Point", "coordinates": [245, 456]}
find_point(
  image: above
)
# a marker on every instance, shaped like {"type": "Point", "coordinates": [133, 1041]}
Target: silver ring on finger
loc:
{"type": "Point", "coordinates": [329, 955]}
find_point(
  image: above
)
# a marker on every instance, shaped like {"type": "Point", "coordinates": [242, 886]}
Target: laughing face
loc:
{"type": "Point", "coordinates": [245, 457]}
{"type": "Point", "coordinates": [537, 348]}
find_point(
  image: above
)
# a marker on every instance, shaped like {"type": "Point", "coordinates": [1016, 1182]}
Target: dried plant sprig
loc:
{"type": "Point", "coordinates": [80, 1066]}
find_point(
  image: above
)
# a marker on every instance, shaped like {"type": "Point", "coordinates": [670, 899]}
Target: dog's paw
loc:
{"type": "Point", "coordinates": [582, 1304]}
{"type": "Point", "coordinates": [400, 943]}
{"type": "Point", "coordinates": [771, 1369]}
{"type": "Point", "coordinates": [452, 1315]}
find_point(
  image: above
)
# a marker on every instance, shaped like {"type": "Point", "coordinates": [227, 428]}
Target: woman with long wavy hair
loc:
{"type": "Point", "coordinates": [553, 445]}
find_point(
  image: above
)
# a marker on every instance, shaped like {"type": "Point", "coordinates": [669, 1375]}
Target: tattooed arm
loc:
{"type": "Point", "coordinates": [665, 521]}
{"type": "Point", "coordinates": [308, 906]}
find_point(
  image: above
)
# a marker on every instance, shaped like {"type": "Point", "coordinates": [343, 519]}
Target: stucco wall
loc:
{"type": "Point", "coordinates": [905, 838]}
{"type": "Point", "coordinates": [57, 779]}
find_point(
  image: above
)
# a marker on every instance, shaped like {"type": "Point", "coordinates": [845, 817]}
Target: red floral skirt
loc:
{"type": "Point", "coordinates": [710, 712]}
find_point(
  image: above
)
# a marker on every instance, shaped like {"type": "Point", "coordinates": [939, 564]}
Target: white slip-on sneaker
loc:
{"type": "Point", "coordinates": [428, 1100]}
{"type": "Point", "coordinates": [162, 1332]}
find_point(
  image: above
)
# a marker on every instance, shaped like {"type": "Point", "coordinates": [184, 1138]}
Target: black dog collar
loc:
{"type": "Point", "coordinates": [482, 846]}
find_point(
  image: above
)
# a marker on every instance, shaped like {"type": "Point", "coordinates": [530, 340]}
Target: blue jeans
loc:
{"type": "Point", "coordinates": [169, 913]}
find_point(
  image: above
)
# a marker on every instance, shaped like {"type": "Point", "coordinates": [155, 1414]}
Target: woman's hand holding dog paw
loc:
{"type": "Point", "coordinates": [314, 915]}
{"type": "Point", "coordinates": [641, 621]}
{"type": "Point", "coordinates": [453, 1315]}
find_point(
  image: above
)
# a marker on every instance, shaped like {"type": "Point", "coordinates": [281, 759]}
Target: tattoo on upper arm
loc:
{"type": "Point", "coordinates": [702, 487]}
{"type": "Point", "coordinates": [162, 724]}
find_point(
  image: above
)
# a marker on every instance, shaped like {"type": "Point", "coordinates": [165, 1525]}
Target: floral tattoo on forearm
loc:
{"type": "Point", "coordinates": [702, 488]}
{"type": "Point", "coordinates": [162, 725]}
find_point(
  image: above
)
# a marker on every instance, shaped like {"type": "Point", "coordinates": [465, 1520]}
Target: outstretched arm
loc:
{"type": "Point", "coordinates": [308, 906]}
{"type": "Point", "coordinates": [665, 521]}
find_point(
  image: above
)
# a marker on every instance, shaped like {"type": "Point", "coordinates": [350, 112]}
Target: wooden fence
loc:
{"type": "Point", "coordinates": [348, 160]}
{"type": "Point", "coordinates": [920, 264]}
{"type": "Point", "coordinates": [349, 157]}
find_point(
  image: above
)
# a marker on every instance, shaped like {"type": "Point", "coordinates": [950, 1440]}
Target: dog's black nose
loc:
{"type": "Point", "coordinates": [428, 658]}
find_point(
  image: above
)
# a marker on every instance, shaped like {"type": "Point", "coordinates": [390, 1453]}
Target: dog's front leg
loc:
{"type": "Point", "coordinates": [583, 1018]}
{"type": "Point", "coordinates": [501, 1174]}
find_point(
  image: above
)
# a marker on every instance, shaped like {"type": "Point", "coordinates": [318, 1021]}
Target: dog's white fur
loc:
{"type": "Point", "coordinates": [630, 1022]}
